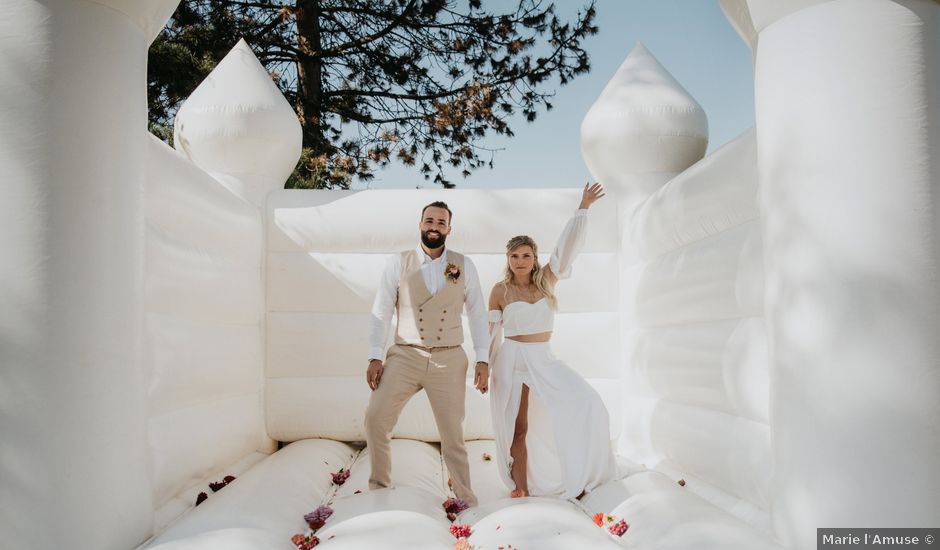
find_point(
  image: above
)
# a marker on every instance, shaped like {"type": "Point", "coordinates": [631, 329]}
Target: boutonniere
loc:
{"type": "Point", "coordinates": [452, 272]}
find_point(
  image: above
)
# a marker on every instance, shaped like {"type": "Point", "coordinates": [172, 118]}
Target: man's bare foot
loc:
{"type": "Point", "coordinates": [516, 493]}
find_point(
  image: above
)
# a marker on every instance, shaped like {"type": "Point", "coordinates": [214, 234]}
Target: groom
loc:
{"type": "Point", "coordinates": [428, 286]}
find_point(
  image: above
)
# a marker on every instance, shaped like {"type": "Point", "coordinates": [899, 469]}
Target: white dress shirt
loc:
{"type": "Point", "coordinates": [432, 271]}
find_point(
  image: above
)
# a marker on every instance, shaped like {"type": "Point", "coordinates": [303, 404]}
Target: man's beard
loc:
{"type": "Point", "coordinates": [433, 243]}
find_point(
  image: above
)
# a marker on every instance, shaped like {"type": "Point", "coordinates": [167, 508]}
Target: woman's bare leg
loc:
{"type": "Point", "coordinates": [518, 451]}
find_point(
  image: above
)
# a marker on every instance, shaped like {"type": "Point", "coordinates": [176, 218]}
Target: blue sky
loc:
{"type": "Point", "coordinates": [691, 38]}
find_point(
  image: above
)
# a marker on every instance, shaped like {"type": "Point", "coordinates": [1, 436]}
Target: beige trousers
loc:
{"type": "Point", "coordinates": [442, 374]}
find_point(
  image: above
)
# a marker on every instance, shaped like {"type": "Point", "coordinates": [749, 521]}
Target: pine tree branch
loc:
{"type": "Point", "coordinates": [336, 50]}
{"type": "Point", "coordinates": [259, 5]}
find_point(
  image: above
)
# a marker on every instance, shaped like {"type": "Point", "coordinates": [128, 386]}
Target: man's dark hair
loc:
{"type": "Point", "coordinates": [439, 204]}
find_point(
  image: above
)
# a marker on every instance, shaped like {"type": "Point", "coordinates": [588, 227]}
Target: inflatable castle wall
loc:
{"type": "Point", "coordinates": [761, 322]}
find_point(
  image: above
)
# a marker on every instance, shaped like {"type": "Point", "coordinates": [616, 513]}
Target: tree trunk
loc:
{"type": "Point", "coordinates": [310, 75]}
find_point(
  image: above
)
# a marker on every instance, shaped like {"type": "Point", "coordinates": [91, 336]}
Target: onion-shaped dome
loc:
{"type": "Point", "coordinates": [238, 123]}
{"type": "Point", "coordinates": [644, 121]}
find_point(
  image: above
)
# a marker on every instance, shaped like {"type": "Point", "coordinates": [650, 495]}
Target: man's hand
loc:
{"type": "Point", "coordinates": [481, 376]}
{"type": "Point", "coordinates": [374, 373]}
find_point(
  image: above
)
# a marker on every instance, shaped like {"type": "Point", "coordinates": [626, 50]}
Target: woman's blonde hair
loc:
{"type": "Point", "coordinates": [538, 273]}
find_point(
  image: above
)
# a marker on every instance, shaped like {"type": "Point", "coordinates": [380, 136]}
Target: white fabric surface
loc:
{"type": "Point", "coordinates": [265, 506]}
{"type": "Point", "coordinates": [543, 523]}
{"type": "Point", "coordinates": [203, 343]}
{"type": "Point", "coordinates": [720, 365]}
{"type": "Point", "coordinates": [716, 193]}
{"type": "Point", "coordinates": [763, 13]}
{"type": "Point", "coordinates": [187, 204]}
{"type": "Point", "coordinates": [849, 195]}
{"type": "Point", "coordinates": [665, 516]}
{"type": "Point", "coordinates": [724, 450]}
{"type": "Point", "coordinates": [730, 503]}
{"type": "Point", "coordinates": [73, 114]}
{"type": "Point", "coordinates": [272, 497]}
{"type": "Point", "coordinates": [719, 277]}
{"type": "Point", "coordinates": [172, 510]}
{"type": "Point", "coordinates": [738, 14]}
{"type": "Point", "coordinates": [190, 441]}
{"type": "Point", "coordinates": [698, 362]}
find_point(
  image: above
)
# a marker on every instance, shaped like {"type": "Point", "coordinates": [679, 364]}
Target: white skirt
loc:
{"type": "Point", "coordinates": [568, 438]}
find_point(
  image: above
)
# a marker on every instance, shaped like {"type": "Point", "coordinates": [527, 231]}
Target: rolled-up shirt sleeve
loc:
{"type": "Point", "coordinates": [476, 312]}
{"type": "Point", "coordinates": [569, 244]}
{"type": "Point", "coordinates": [383, 308]}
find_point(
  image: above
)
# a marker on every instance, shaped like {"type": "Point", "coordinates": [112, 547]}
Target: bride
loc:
{"type": "Point", "coordinates": [552, 429]}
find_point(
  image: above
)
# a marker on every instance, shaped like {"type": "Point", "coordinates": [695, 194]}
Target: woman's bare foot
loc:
{"type": "Point", "coordinates": [516, 493]}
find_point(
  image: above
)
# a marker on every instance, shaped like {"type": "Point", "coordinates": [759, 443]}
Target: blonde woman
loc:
{"type": "Point", "coordinates": [552, 429]}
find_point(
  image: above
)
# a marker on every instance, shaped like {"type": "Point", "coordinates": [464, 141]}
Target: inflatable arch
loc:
{"type": "Point", "coordinates": [762, 321]}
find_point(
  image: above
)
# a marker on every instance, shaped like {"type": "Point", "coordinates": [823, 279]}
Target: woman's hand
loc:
{"type": "Point", "coordinates": [481, 376]}
{"type": "Point", "coordinates": [591, 193]}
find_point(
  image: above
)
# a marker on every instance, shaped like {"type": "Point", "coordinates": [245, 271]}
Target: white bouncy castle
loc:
{"type": "Point", "coordinates": [763, 323]}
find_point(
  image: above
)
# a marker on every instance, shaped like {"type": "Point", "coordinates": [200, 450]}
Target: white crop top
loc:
{"type": "Point", "coordinates": [521, 318]}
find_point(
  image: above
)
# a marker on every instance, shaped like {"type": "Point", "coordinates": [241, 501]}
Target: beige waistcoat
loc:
{"type": "Point", "coordinates": [423, 319]}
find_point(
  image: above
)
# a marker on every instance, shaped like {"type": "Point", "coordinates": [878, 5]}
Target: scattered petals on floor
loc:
{"type": "Point", "coordinates": [305, 542]}
{"type": "Point", "coordinates": [460, 531]}
{"type": "Point", "coordinates": [619, 528]}
{"type": "Point", "coordinates": [454, 506]}
{"type": "Point", "coordinates": [217, 486]}
{"type": "Point", "coordinates": [341, 476]}
{"type": "Point", "coordinates": [614, 525]}
{"type": "Point", "coordinates": [317, 518]}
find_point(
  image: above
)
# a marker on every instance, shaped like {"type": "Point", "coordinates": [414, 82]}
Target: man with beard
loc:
{"type": "Point", "coordinates": [428, 286]}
